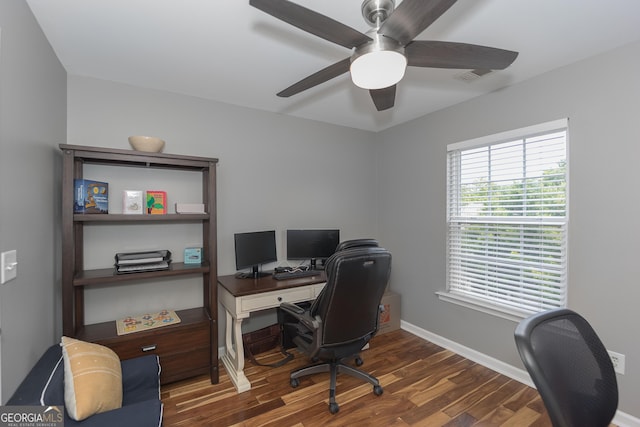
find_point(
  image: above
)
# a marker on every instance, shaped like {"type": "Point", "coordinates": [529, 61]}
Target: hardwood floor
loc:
{"type": "Point", "coordinates": [424, 385]}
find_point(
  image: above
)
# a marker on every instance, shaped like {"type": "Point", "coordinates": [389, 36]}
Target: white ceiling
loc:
{"type": "Point", "coordinates": [228, 51]}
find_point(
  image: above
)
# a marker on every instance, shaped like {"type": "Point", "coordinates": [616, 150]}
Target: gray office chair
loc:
{"type": "Point", "coordinates": [570, 368]}
{"type": "Point", "coordinates": [343, 318]}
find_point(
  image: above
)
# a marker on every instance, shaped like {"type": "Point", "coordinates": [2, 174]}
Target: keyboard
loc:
{"type": "Point", "coordinates": [295, 274]}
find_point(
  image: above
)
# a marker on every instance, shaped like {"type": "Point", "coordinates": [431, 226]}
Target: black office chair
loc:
{"type": "Point", "coordinates": [570, 368]}
{"type": "Point", "coordinates": [343, 318]}
{"type": "Point", "coordinates": [357, 243]}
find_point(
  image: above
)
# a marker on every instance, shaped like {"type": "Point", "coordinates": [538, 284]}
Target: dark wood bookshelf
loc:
{"type": "Point", "coordinates": [185, 349]}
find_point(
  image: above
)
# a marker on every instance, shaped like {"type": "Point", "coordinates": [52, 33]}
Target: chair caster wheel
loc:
{"type": "Point", "coordinates": [359, 361]}
{"type": "Point", "coordinates": [377, 390]}
{"type": "Point", "coordinates": [334, 408]}
{"type": "Point", "coordinates": [294, 382]}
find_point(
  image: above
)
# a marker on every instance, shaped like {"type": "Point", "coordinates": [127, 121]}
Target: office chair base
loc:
{"type": "Point", "coordinates": [334, 368]}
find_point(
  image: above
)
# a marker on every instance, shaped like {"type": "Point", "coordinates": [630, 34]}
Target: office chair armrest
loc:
{"type": "Point", "coordinates": [292, 309]}
{"type": "Point", "coordinates": [301, 315]}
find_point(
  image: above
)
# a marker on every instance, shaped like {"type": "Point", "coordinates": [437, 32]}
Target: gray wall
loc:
{"type": "Point", "coordinates": [32, 122]}
{"type": "Point", "coordinates": [275, 172]}
{"type": "Point", "coordinates": [600, 98]}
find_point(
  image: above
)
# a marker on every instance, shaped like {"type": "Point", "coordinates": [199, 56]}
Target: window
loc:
{"type": "Point", "coordinates": [507, 221]}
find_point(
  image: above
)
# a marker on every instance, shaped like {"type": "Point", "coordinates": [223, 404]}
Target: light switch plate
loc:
{"type": "Point", "coordinates": [8, 266]}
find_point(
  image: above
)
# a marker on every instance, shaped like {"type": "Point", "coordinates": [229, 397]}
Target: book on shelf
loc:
{"type": "Point", "coordinates": [156, 202]}
{"type": "Point", "coordinates": [132, 202]}
{"type": "Point", "coordinates": [90, 197]}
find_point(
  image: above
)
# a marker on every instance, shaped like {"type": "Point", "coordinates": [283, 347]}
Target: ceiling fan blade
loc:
{"type": "Point", "coordinates": [437, 54]}
{"type": "Point", "coordinates": [315, 79]}
{"type": "Point", "coordinates": [312, 22]}
{"type": "Point", "coordinates": [411, 18]}
{"type": "Point", "coordinates": [383, 98]}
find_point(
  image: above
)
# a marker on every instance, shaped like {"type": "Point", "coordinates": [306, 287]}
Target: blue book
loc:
{"type": "Point", "coordinates": [90, 197]}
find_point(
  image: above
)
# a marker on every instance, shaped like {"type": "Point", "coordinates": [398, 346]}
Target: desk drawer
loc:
{"type": "Point", "coordinates": [274, 299]}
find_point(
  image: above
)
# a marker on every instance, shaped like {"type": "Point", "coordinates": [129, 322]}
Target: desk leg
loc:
{"type": "Point", "coordinates": [233, 357]}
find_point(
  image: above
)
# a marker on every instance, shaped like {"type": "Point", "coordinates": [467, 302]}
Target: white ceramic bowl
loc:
{"type": "Point", "coordinates": [150, 144]}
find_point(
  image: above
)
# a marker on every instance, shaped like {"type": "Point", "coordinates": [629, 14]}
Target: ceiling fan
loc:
{"type": "Point", "coordinates": [380, 56]}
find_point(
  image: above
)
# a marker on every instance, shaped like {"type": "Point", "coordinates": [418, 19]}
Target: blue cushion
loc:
{"type": "Point", "coordinates": [140, 379]}
{"type": "Point", "coordinates": [44, 384]}
{"type": "Point", "coordinates": [141, 405]}
{"type": "Point", "coordinates": [141, 414]}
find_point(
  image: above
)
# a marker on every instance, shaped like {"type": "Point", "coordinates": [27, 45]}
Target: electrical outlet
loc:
{"type": "Point", "coordinates": [618, 361]}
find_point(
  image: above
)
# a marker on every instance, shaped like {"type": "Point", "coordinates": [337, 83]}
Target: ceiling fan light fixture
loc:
{"type": "Point", "coordinates": [378, 64]}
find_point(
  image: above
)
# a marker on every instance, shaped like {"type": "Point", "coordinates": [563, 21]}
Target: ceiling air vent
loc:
{"type": "Point", "coordinates": [469, 76]}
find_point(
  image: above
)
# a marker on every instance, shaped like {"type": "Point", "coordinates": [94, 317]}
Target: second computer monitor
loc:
{"type": "Point", "coordinates": [312, 244]}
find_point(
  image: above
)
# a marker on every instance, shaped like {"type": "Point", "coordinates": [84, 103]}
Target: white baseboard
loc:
{"type": "Point", "coordinates": [621, 419]}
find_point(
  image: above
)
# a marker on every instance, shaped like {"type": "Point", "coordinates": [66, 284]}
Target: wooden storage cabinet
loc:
{"type": "Point", "coordinates": [183, 352]}
{"type": "Point", "coordinates": [185, 349]}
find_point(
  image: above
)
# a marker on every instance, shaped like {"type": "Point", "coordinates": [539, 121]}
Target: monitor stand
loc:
{"type": "Point", "coordinates": [254, 274]}
{"type": "Point", "coordinates": [315, 265]}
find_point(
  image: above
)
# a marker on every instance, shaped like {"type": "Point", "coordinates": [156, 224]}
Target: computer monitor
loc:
{"type": "Point", "coordinates": [312, 244]}
{"type": "Point", "coordinates": [254, 249]}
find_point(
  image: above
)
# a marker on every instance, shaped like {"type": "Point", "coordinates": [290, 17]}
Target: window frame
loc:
{"type": "Point", "coordinates": [488, 306]}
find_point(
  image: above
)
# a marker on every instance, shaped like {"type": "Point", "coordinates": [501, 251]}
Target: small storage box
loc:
{"type": "Point", "coordinates": [390, 315]}
{"type": "Point", "coordinates": [193, 255]}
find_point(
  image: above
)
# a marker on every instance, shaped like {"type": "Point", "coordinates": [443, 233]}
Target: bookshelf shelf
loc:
{"type": "Point", "coordinates": [102, 276]}
{"type": "Point", "coordinates": [140, 218]}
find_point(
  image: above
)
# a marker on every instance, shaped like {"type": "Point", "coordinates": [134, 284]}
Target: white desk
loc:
{"type": "Point", "coordinates": [241, 297]}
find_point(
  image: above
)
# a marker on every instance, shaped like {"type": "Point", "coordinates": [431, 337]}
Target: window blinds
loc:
{"type": "Point", "coordinates": [507, 218]}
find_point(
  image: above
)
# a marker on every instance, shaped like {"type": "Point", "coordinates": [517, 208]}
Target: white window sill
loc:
{"type": "Point", "coordinates": [505, 312]}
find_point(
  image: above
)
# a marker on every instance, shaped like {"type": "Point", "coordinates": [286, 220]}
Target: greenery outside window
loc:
{"type": "Point", "coordinates": [507, 221]}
